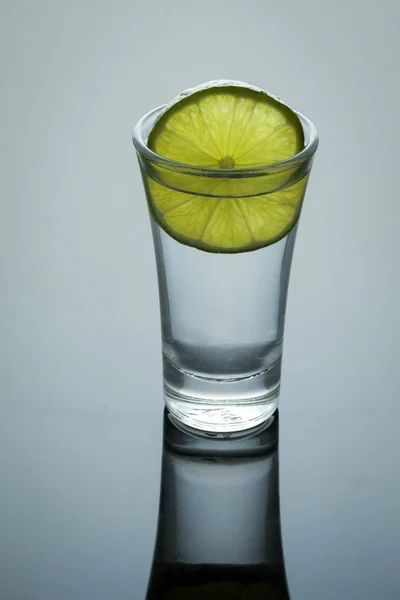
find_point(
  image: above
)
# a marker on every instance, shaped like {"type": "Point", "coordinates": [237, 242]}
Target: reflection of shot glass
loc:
{"type": "Point", "coordinates": [222, 312]}
{"type": "Point", "coordinates": [219, 526]}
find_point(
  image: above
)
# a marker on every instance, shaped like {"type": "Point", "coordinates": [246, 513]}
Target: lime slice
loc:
{"type": "Point", "coordinates": [225, 126]}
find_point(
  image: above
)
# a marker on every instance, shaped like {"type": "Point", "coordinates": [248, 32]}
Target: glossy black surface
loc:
{"type": "Point", "coordinates": [80, 493]}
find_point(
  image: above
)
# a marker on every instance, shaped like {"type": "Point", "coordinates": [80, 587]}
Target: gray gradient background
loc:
{"type": "Point", "coordinates": [80, 367]}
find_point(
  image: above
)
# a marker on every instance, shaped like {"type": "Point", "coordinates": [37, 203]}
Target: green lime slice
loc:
{"type": "Point", "coordinates": [229, 126]}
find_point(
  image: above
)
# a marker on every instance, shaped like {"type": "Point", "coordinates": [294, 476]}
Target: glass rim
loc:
{"type": "Point", "coordinates": [293, 161]}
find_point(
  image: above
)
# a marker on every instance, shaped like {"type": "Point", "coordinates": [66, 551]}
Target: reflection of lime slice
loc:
{"type": "Point", "coordinates": [229, 126]}
{"type": "Point", "coordinates": [219, 590]}
{"type": "Point", "coordinates": [228, 590]}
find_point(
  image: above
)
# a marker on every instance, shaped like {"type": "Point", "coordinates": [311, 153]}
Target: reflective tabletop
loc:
{"type": "Point", "coordinates": [80, 497]}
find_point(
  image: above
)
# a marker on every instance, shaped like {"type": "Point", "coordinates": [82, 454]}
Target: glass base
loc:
{"type": "Point", "coordinates": [221, 405]}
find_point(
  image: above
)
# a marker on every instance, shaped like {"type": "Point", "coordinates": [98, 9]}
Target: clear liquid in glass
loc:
{"type": "Point", "coordinates": [222, 326]}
